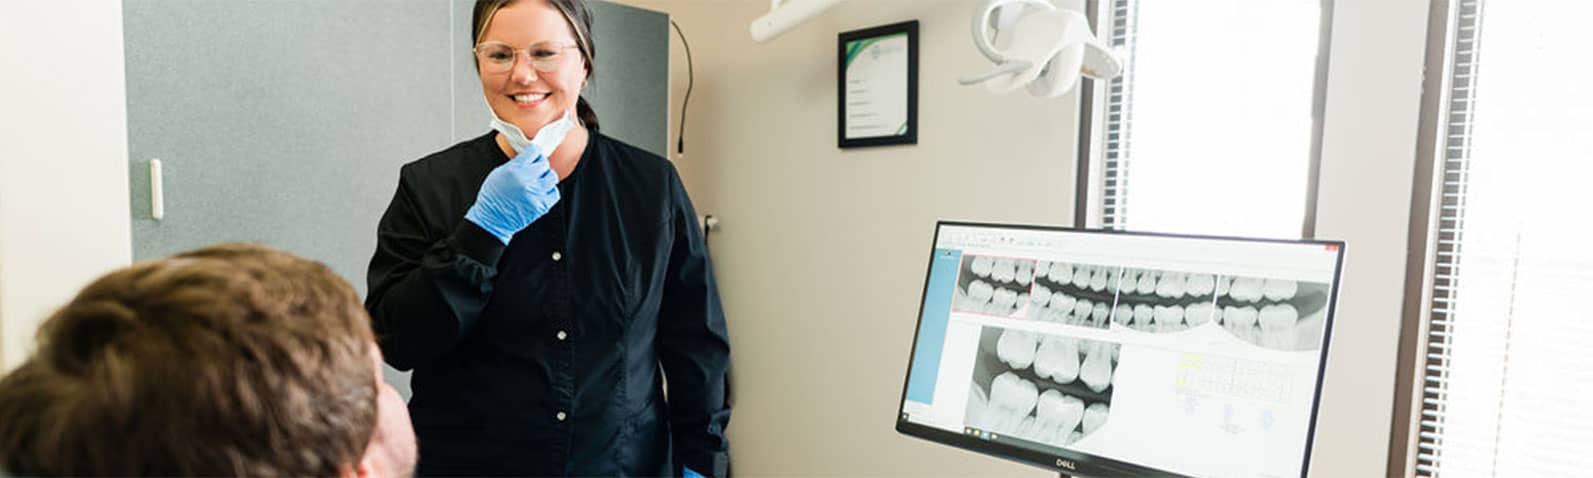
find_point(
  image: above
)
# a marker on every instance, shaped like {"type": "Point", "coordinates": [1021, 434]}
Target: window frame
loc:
{"type": "Point", "coordinates": [1090, 181]}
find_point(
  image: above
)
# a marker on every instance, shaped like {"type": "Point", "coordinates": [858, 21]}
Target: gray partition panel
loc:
{"type": "Point", "coordinates": [284, 122]}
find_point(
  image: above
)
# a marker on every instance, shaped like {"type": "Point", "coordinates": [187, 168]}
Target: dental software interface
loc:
{"type": "Point", "coordinates": [1194, 356]}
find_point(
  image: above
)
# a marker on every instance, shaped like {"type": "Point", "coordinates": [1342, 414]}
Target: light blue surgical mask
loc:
{"type": "Point", "coordinates": [546, 140]}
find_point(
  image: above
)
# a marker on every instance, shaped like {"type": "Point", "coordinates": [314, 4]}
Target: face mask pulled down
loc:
{"type": "Point", "coordinates": [546, 140]}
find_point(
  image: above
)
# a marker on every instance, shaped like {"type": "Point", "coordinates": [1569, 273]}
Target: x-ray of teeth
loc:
{"type": "Point", "coordinates": [1161, 301]}
{"type": "Point", "coordinates": [998, 286]}
{"type": "Point", "coordinates": [1081, 294]}
{"type": "Point", "coordinates": [1273, 313]}
{"type": "Point", "coordinates": [1049, 389]}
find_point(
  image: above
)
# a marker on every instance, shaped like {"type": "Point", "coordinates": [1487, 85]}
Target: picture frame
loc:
{"type": "Point", "coordinates": [877, 86]}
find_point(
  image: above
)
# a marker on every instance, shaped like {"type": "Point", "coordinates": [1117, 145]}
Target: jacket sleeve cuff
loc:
{"type": "Point", "coordinates": [476, 243]}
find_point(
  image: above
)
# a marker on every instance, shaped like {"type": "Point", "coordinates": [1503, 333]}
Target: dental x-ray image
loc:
{"type": "Point", "coordinates": [993, 285]}
{"type": "Point", "coordinates": [1273, 313]}
{"type": "Point", "coordinates": [1152, 300]}
{"type": "Point", "coordinates": [1048, 389]}
{"type": "Point", "coordinates": [1073, 294]}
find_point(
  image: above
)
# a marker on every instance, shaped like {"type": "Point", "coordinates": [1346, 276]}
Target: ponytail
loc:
{"type": "Point", "coordinates": [586, 114]}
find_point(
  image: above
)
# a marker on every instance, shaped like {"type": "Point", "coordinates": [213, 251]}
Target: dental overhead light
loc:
{"type": "Point", "coordinates": [1047, 49]}
{"type": "Point", "coordinates": [786, 14]}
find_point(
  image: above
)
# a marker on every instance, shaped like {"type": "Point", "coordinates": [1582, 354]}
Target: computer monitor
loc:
{"type": "Point", "coordinates": [1099, 353]}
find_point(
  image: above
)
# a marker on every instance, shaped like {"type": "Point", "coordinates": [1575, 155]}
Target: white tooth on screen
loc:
{"type": "Point", "coordinates": [1094, 417]}
{"type": "Point", "coordinates": [1003, 271]}
{"type": "Point", "coordinates": [1197, 314]}
{"type": "Point", "coordinates": [1171, 286]}
{"type": "Point", "coordinates": [1060, 273]}
{"type": "Point", "coordinates": [1081, 277]}
{"type": "Point", "coordinates": [1041, 295]}
{"type": "Point", "coordinates": [1023, 299]}
{"type": "Point", "coordinates": [1025, 428]}
{"type": "Point", "coordinates": [1058, 359]}
{"type": "Point", "coordinates": [1239, 317]}
{"type": "Point", "coordinates": [1167, 315]}
{"type": "Point", "coordinates": [1062, 302]}
{"type": "Point", "coordinates": [980, 292]}
{"type": "Point", "coordinates": [1073, 436]}
{"type": "Point", "coordinates": [1147, 283]}
{"type": "Point", "coordinates": [1112, 280]}
{"type": "Point", "coordinates": [1025, 272]}
{"type": "Point", "coordinates": [1059, 411]}
{"type": "Point", "coordinates": [981, 266]}
{"type": "Point", "coordinates": [1082, 309]}
{"type": "Point", "coordinates": [993, 308]}
{"type": "Point", "coordinates": [1016, 348]}
{"type": "Point", "coordinates": [1279, 289]}
{"type": "Point", "coordinates": [1142, 316]}
{"type": "Point", "coordinates": [1042, 268]}
{"type": "Point", "coordinates": [1004, 299]}
{"type": "Point", "coordinates": [1011, 399]}
{"type": "Point", "coordinates": [1223, 284]}
{"type": "Point", "coordinates": [1099, 314]}
{"type": "Point", "coordinates": [1123, 314]}
{"type": "Point", "coordinates": [1096, 372]}
{"type": "Point", "coordinates": [1200, 284]}
{"type": "Point", "coordinates": [1245, 289]}
{"type": "Point", "coordinates": [1277, 325]}
{"type": "Point", "coordinates": [1130, 280]}
{"type": "Point", "coordinates": [1098, 279]}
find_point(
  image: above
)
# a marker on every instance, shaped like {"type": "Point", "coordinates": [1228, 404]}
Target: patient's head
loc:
{"type": "Point", "coordinates": [230, 360]}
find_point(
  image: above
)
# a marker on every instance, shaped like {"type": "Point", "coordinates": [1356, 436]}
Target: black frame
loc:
{"type": "Point", "coordinates": [1081, 464]}
{"type": "Point", "coordinates": [911, 29]}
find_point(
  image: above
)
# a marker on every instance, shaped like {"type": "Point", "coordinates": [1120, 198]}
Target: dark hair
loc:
{"type": "Point", "coordinates": [580, 20]}
{"type": "Point", "coordinates": [233, 360]}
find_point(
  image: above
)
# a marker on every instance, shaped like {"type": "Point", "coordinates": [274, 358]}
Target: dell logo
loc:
{"type": "Point", "coordinates": [1061, 463]}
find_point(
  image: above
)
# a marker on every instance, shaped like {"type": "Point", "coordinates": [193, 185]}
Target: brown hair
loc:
{"type": "Point", "coordinates": [580, 20]}
{"type": "Point", "coordinates": [231, 360]}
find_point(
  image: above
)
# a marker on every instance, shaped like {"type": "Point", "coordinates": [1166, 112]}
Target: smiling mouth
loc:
{"type": "Point", "coordinates": [528, 99]}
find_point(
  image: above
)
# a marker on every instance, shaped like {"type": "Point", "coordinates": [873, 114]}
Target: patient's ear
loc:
{"type": "Point", "coordinates": [363, 469]}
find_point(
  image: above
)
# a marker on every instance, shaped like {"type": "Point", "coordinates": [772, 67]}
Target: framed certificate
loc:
{"type": "Point", "coordinates": [877, 86]}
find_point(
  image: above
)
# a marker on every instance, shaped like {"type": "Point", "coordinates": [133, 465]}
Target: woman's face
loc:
{"type": "Point", "coordinates": [524, 95]}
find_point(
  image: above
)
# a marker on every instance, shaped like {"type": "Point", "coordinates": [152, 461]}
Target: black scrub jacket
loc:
{"type": "Point", "coordinates": [543, 358]}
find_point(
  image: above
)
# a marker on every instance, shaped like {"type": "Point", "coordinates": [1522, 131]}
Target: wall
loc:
{"type": "Point", "coordinates": [822, 250]}
{"type": "Point", "coordinates": [63, 150]}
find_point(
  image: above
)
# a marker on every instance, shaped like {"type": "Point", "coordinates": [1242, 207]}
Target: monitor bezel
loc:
{"type": "Point", "coordinates": [1083, 464]}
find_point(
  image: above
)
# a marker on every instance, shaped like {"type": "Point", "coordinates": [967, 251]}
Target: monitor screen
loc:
{"type": "Point", "coordinates": [1099, 353]}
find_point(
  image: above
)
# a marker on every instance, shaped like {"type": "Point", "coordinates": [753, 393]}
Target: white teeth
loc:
{"type": "Point", "coordinates": [1095, 416]}
{"type": "Point", "coordinates": [1058, 359]}
{"type": "Point", "coordinates": [1239, 317]}
{"type": "Point", "coordinates": [1099, 314]}
{"type": "Point", "coordinates": [980, 292]}
{"type": "Point", "coordinates": [982, 265]}
{"type": "Point", "coordinates": [1023, 298]}
{"type": "Point", "coordinates": [1130, 280]}
{"type": "Point", "coordinates": [1082, 309]}
{"type": "Point", "coordinates": [1123, 314]}
{"type": "Point", "coordinates": [1098, 279]}
{"type": "Point", "coordinates": [1042, 268]}
{"type": "Point", "coordinates": [1058, 412]}
{"type": "Point", "coordinates": [1011, 399]}
{"type": "Point", "coordinates": [1060, 273]}
{"type": "Point", "coordinates": [1171, 286]}
{"type": "Point", "coordinates": [1279, 289]}
{"type": "Point", "coordinates": [1003, 271]}
{"type": "Point", "coordinates": [1041, 296]}
{"type": "Point", "coordinates": [1277, 325]}
{"type": "Point", "coordinates": [1096, 372]}
{"type": "Point", "coordinates": [1073, 436]}
{"type": "Point", "coordinates": [1025, 272]}
{"type": "Point", "coordinates": [1200, 284]}
{"type": "Point", "coordinates": [1142, 315]}
{"type": "Point", "coordinates": [1004, 299]}
{"type": "Point", "coordinates": [528, 98]}
{"type": "Point", "coordinates": [1017, 348]}
{"type": "Point", "coordinates": [1223, 284]}
{"type": "Point", "coordinates": [1245, 289]}
{"type": "Point", "coordinates": [1197, 314]}
{"type": "Point", "coordinates": [1167, 315]}
{"type": "Point", "coordinates": [1147, 283]}
{"type": "Point", "coordinates": [1062, 302]}
{"type": "Point", "coordinates": [1081, 277]}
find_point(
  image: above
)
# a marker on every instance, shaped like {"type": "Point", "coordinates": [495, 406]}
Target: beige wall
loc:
{"type": "Point", "coordinates": [63, 158]}
{"type": "Point", "coordinates": [822, 251]}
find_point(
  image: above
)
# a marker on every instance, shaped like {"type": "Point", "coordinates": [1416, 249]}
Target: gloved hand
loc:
{"type": "Point", "coordinates": [515, 194]}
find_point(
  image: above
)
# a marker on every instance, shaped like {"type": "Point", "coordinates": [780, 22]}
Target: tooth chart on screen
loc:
{"type": "Point", "coordinates": [993, 285]}
{"type": "Point", "coordinates": [1272, 313]}
{"type": "Point", "coordinates": [1073, 294]}
{"type": "Point", "coordinates": [1049, 389]}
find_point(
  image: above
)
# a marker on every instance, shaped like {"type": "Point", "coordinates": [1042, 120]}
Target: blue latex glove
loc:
{"type": "Point", "coordinates": [515, 194]}
{"type": "Point", "coordinates": [689, 473]}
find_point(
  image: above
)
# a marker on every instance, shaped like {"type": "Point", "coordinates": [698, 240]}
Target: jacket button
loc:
{"type": "Point", "coordinates": [561, 335]}
{"type": "Point", "coordinates": [557, 256]}
{"type": "Point", "coordinates": [561, 416]}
